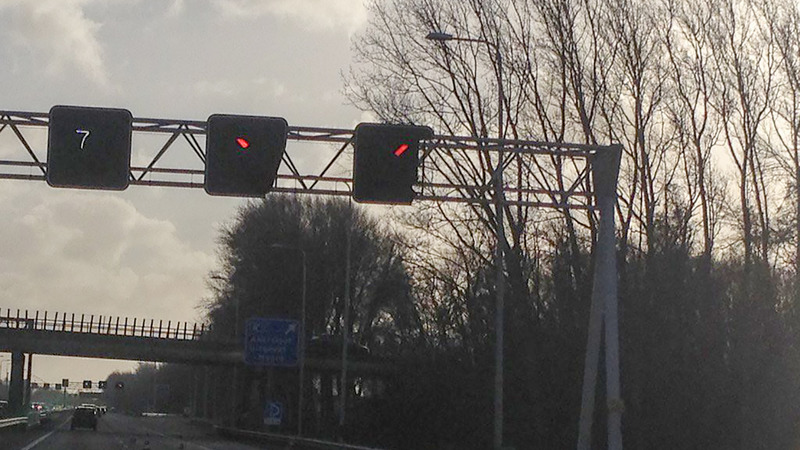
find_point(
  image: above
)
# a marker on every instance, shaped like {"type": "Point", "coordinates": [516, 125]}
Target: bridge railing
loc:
{"type": "Point", "coordinates": [105, 325]}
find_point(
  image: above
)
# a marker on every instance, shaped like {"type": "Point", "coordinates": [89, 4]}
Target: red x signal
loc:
{"type": "Point", "coordinates": [244, 143]}
{"type": "Point", "coordinates": [400, 150]}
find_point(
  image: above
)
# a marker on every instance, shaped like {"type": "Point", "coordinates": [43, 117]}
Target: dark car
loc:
{"type": "Point", "coordinates": [42, 410]}
{"type": "Point", "coordinates": [84, 417]}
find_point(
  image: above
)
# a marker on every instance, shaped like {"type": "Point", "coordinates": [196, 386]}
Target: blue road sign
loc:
{"type": "Point", "coordinates": [273, 413]}
{"type": "Point", "coordinates": [271, 342]}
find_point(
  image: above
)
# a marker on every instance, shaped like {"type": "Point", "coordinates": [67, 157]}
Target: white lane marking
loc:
{"type": "Point", "coordinates": [39, 441]}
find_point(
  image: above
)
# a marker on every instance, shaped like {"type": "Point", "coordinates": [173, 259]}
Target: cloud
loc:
{"type": "Point", "coordinates": [245, 92]}
{"type": "Point", "coordinates": [216, 88]}
{"type": "Point", "coordinates": [60, 36]}
{"type": "Point", "coordinates": [310, 14]}
{"type": "Point", "coordinates": [274, 86]}
{"type": "Point", "coordinates": [176, 8]}
{"type": "Point", "coordinates": [95, 253]}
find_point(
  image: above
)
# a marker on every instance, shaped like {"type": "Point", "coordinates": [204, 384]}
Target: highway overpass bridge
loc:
{"type": "Point", "coordinates": [135, 339]}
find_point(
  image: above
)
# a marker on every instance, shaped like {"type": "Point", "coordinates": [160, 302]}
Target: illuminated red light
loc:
{"type": "Point", "coordinates": [242, 142]}
{"type": "Point", "coordinates": [400, 150]}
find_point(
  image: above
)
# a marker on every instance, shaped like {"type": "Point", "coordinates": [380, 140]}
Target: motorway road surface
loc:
{"type": "Point", "coordinates": [117, 431]}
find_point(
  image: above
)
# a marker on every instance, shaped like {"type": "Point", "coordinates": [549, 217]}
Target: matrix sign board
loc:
{"type": "Point", "coordinates": [385, 162]}
{"type": "Point", "coordinates": [243, 154]}
{"type": "Point", "coordinates": [89, 148]}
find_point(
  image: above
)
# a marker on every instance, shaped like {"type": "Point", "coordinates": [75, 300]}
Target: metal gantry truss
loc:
{"type": "Point", "coordinates": [452, 168]}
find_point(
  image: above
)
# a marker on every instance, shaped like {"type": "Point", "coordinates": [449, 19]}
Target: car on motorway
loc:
{"type": "Point", "coordinates": [96, 408]}
{"type": "Point", "coordinates": [84, 417]}
{"type": "Point", "coordinates": [42, 410]}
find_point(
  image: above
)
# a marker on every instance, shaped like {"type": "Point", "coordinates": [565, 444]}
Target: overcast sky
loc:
{"type": "Point", "coordinates": [145, 252]}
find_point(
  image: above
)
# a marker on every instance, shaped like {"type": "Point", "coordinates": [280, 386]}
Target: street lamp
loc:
{"type": "Point", "coordinates": [499, 202]}
{"type": "Point", "coordinates": [302, 334]}
{"type": "Point", "coordinates": [439, 36]}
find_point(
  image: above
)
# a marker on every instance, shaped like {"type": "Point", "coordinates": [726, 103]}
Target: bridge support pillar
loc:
{"type": "Point", "coordinates": [27, 401]}
{"type": "Point", "coordinates": [16, 389]}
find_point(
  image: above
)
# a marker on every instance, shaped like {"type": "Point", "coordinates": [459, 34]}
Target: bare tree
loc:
{"type": "Point", "coordinates": [691, 111]}
{"type": "Point", "coordinates": [785, 113]}
{"type": "Point", "coordinates": [401, 76]}
{"type": "Point", "coordinates": [745, 62]}
{"type": "Point", "coordinates": [639, 79]}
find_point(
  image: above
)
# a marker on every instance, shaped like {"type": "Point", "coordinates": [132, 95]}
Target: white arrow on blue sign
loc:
{"type": "Point", "coordinates": [273, 413]}
{"type": "Point", "coordinates": [271, 342]}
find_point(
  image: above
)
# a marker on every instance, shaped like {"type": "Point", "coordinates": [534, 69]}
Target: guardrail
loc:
{"type": "Point", "coordinates": [104, 325]}
{"type": "Point", "coordinates": [291, 441]}
{"type": "Point", "coordinates": [33, 419]}
{"type": "Point", "coordinates": [13, 422]}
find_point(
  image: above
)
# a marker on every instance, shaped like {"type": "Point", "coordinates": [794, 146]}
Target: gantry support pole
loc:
{"type": "Point", "coordinates": [605, 170]}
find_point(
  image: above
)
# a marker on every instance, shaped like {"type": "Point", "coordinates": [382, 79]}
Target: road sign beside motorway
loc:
{"type": "Point", "coordinates": [273, 413]}
{"type": "Point", "coordinates": [271, 342]}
